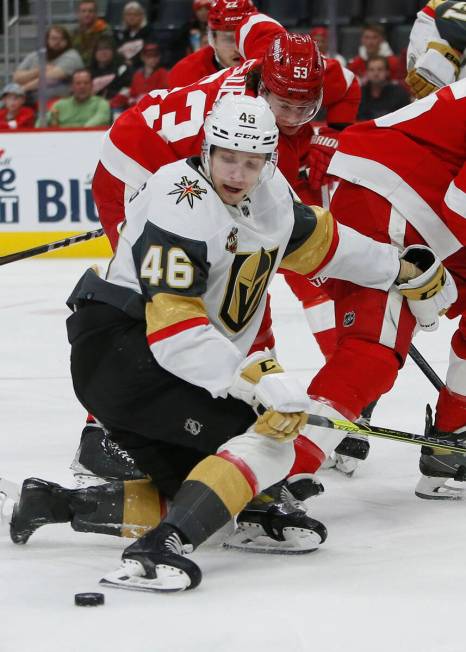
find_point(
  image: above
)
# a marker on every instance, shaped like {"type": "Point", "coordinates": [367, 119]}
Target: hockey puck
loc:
{"type": "Point", "coordinates": [88, 599]}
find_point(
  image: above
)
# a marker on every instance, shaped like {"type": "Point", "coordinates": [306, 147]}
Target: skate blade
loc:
{"type": "Point", "coordinates": [9, 496]}
{"type": "Point", "coordinates": [252, 538]}
{"type": "Point", "coordinates": [431, 488]}
{"type": "Point", "coordinates": [131, 576]}
{"type": "Point", "coordinates": [443, 493]}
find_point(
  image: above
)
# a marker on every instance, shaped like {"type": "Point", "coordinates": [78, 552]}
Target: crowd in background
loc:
{"type": "Point", "coordinates": [98, 70]}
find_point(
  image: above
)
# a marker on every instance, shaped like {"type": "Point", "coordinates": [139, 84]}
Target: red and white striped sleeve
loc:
{"type": "Point", "coordinates": [254, 34]}
{"type": "Point", "coordinates": [454, 205]}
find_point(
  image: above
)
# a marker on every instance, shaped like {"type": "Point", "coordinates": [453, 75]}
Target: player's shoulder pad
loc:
{"type": "Point", "coordinates": [312, 236]}
{"type": "Point", "coordinates": [450, 19]}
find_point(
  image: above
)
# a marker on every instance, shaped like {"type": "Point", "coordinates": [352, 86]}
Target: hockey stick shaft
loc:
{"type": "Point", "coordinates": [51, 246]}
{"type": "Point", "coordinates": [425, 367]}
{"type": "Point", "coordinates": [384, 433]}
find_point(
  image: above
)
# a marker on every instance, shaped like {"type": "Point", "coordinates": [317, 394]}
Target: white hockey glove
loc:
{"type": "Point", "coordinates": [428, 286]}
{"type": "Point", "coordinates": [437, 67]}
{"type": "Point", "coordinates": [261, 382]}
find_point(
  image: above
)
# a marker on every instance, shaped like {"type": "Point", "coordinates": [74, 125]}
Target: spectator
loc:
{"type": "Point", "coordinates": [135, 33]}
{"type": "Point", "coordinates": [90, 29]}
{"type": "Point", "coordinates": [111, 75]}
{"type": "Point", "coordinates": [380, 95]}
{"type": "Point", "coordinates": [83, 108]}
{"type": "Point", "coordinates": [151, 75]}
{"type": "Point", "coordinates": [15, 115]}
{"type": "Point", "coordinates": [61, 62]}
{"type": "Point", "coordinates": [320, 36]}
{"type": "Point", "coordinates": [373, 44]}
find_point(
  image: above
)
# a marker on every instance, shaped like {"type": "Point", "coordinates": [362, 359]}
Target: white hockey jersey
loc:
{"type": "Point", "coordinates": [441, 21]}
{"type": "Point", "coordinates": [203, 268]}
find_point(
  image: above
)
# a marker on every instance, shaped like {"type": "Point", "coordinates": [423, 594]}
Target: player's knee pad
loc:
{"type": "Point", "coordinates": [267, 459]}
{"type": "Point", "coordinates": [358, 373]}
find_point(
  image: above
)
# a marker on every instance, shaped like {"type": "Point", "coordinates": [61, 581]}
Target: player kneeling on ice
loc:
{"type": "Point", "coordinates": [160, 347]}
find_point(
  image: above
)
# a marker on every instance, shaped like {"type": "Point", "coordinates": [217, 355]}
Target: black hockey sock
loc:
{"type": "Point", "coordinates": [211, 495]}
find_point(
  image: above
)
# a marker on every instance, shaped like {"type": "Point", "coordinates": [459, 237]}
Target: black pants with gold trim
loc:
{"type": "Point", "coordinates": [165, 423]}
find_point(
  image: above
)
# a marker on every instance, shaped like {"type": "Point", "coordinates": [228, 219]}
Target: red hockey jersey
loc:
{"type": "Point", "coordinates": [193, 67]}
{"type": "Point", "coordinates": [415, 157]}
{"type": "Point", "coordinates": [163, 127]}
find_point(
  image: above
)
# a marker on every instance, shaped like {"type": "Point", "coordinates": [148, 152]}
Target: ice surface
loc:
{"type": "Point", "coordinates": [389, 578]}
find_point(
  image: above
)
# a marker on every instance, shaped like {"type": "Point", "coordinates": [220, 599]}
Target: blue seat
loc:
{"type": "Point", "coordinates": [399, 37]}
{"type": "Point", "coordinates": [391, 11]}
{"type": "Point", "coordinates": [349, 38]}
{"type": "Point", "coordinates": [173, 14]}
{"type": "Point", "coordinates": [347, 11]}
{"type": "Point", "coordinates": [289, 13]}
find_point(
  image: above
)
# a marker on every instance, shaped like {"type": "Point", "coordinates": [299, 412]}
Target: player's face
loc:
{"type": "Point", "coordinates": [225, 49]}
{"type": "Point", "coordinates": [234, 174]}
{"type": "Point", "coordinates": [289, 114]}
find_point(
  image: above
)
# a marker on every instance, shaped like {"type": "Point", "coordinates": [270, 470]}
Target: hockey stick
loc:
{"type": "Point", "coordinates": [384, 433]}
{"type": "Point", "coordinates": [425, 367]}
{"type": "Point", "coordinates": [51, 246]}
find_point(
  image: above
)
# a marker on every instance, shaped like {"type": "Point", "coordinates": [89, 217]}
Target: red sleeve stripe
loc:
{"type": "Point", "coordinates": [180, 326]}
{"type": "Point", "coordinates": [244, 469]}
{"type": "Point", "coordinates": [429, 11]}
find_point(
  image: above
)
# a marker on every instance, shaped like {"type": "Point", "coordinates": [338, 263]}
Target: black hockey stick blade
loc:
{"type": "Point", "coordinates": [385, 433]}
{"type": "Point", "coordinates": [51, 246]}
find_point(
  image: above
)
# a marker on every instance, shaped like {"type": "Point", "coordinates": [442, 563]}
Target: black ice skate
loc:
{"type": "Point", "coordinates": [40, 503]}
{"type": "Point", "coordinates": [439, 466]}
{"type": "Point", "coordinates": [156, 562]}
{"type": "Point", "coordinates": [353, 449]}
{"type": "Point", "coordinates": [99, 459]}
{"type": "Point", "coordinates": [276, 520]}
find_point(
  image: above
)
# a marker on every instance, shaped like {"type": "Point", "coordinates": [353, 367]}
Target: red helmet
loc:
{"type": "Point", "coordinates": [225, 15]}
{"type": "Point", "coordinates": [293, 68]}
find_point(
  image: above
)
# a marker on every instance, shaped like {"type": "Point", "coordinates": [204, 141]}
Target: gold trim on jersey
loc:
{"type": "Point", "coordinates": [247, 282]}
{"type": "Point", "coordinates": [142, 510]}
{"type": "Point", "coordinates": [167, 309]}
{"type": "Point", "coordinates": [312, 252]}
{"type": "Point", "coordinates": [433, 4]}
{"type": "Point", "coordinates": [225, 480]}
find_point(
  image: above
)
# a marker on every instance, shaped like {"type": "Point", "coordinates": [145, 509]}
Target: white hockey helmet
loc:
{"type": "Point", "coordinates": [243, 124]}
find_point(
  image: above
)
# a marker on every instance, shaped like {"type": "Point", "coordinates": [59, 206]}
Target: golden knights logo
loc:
{"type": "Point", "coordinates": [188, 190]}
{"type": "Point", "coordinates": [232, 241]}
{"type": "Point", "coordinates": [249, 276]}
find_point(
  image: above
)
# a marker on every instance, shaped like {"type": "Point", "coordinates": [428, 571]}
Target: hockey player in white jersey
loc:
{"type": "Point", "coordinates": [437, 46]}
{"type": "Point", "coordinates": [160, 347]}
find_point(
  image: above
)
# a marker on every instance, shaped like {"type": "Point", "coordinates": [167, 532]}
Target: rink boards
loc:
{"type": "Point", "coordinates": [45, 190]}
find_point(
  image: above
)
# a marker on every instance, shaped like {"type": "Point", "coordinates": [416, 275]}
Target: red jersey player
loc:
{"type": "Point", "coordinates": [404, 182]}
{"type": "Point", "coordinates": [222, 52]}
